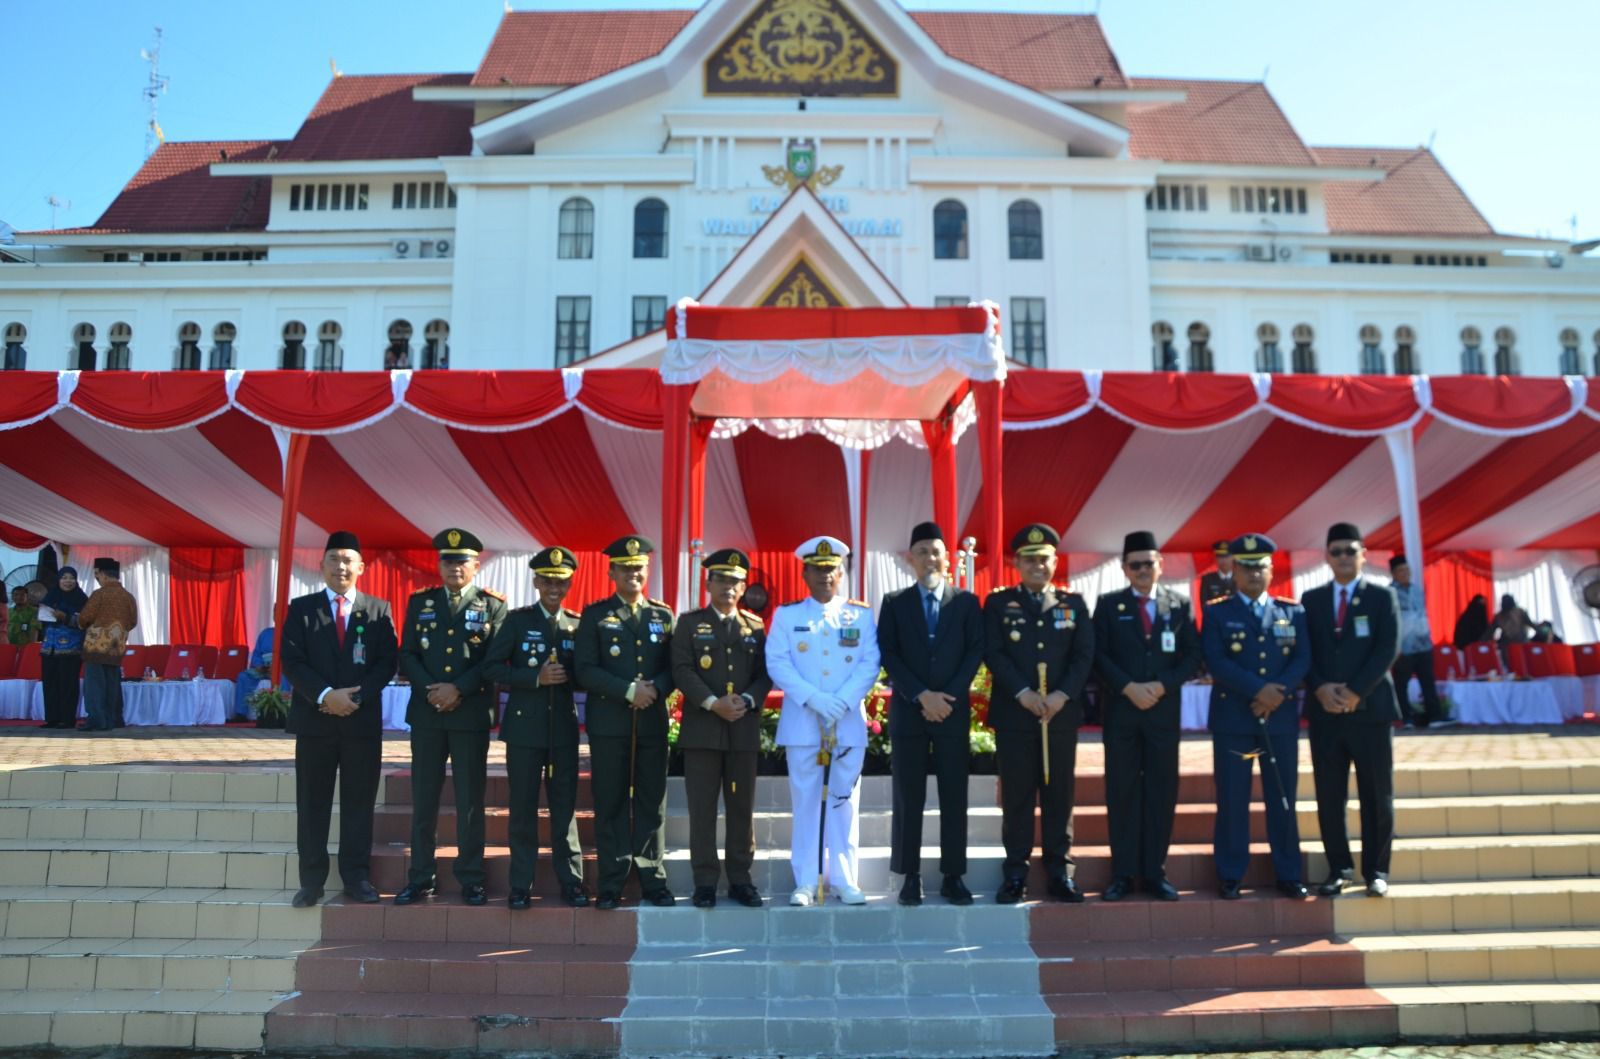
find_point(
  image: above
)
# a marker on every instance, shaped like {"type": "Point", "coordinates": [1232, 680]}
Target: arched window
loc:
{"type": "Point", "coordinates": [576, 238]}
{"type": "Point", "coordinates": [222, 337]}
{"type": "Point", "coordinates": [1305, 357]}
{"type": "Point", "coordinates": [120, 356]}
{"type": "Point", "coordinates": [1372, 359]}
{"type": "Point", "coordinates": [1506, 359]}
{"type": "Point", "coordinates": [397, 354]}
{"type": "Point", "coordinates": [1268, 357]}
{"type": "Point", "coordinates": [293, 355]}
{"type": "Point", "coordinates": [436, 345]}
{"type": "Point", "coordinates": [83, 355]}
{"type": "Point", "coordinates": [950, 231]}
{"type": "Point", "coordinates": [1406, 361]}
{"type": "Point", "coordinates": [330, 354]}
{"type": "Point", "coordinates": [16, 350]}
{"type": "Point", "coordinates": [1163, 354]}
{"type": "Point", "coordinates": [1026, 226]}
{"type": "Point", "coordinates": [187, 357]}
{"type": "Point", "coordinates": [1571, 359]}
{"type": "Point", "coordinates": [1471, 351]}
{"type": "Point", "coordinates": [650, 228]}
{"type": "Point", "coordinates": [1200, 358]}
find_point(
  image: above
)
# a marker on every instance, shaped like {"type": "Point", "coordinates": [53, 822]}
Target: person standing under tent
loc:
{"type": "Point", "coordinates": [106, 619]}
{"type": "Point", "coordinates": [1416, 651]}
{"type": "Point", "coordinates": [61, 649]}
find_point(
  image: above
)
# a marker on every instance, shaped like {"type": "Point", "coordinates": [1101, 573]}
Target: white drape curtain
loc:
{"type": "Point", "coordinates": [145, 573]}
{"type": "Point", "coordinates": [1542, 584]}
{"type": "Point", "coordinates": [632, 459]}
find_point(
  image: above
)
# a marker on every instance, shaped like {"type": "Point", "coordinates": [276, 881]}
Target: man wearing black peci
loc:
{"type": "Point", "coordinates": [1355, 638]}
{"type": "Point", "coordinates": [338, 653]}
{"type": "Point", "coordinates": [1145, 648]}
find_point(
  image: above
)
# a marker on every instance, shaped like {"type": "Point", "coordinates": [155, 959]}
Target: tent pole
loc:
{"type": "Point", "coordinates": [1403, 457]}
{"type": "Point", "coordinates": [674, 451]}
{"type": "Point", "coordinates": [987, 397]}
{"type": "Point", "coordinates": [699, 435]}
{"type": "Point", "coordinates": [294, 465]}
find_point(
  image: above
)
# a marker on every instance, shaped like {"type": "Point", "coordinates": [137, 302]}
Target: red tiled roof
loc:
{"type": "Point", "coordinates": [1222, 122]}
{"type": "Point", "coordinates": [570, 47]}
{"type": "Point", "coordinates": [174, 191]}
{"type": "Point", "coordinates": [1045, 52]}
{"type": "Point", "coordinates": [1416, 197]}
{"type": "Point", "coordinates": [362, 117]}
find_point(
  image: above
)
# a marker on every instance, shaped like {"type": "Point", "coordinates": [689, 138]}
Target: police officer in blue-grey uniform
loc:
{"type": "Point", "coordinates": [1258, 652]}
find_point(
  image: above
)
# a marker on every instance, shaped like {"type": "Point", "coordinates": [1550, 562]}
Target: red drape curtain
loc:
{"type": "Point", "coordinates": [809, 496]}
{"type": "Point", "coordinates": [1449, 581]}
{"type": "Point", "coordinates": [206, 600]}
{"type": "Point", "coordinates": [675, 426]}
{"type": "Point", "coordinates": [942, 456]}
{"type": "Point", "coordinates": [394, 573]}
{"type": "Point", "coordinates": [779, 572]}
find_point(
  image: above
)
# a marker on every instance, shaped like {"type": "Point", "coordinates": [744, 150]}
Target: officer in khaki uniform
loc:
{"type": "Point", "coordinates": [624, 663]}
{"type": "Point", "coordinates": [1219, 582]}
{"type": "Point", "coordinates": [719, 662]}
{"type": "Point", "coordinates": [533, 655]}
{"type": "Point", "coordinates": [446, 634]}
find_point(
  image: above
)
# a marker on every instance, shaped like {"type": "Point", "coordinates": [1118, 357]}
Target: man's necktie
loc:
{"type": "Point", "coordinates": [1259, 609]}
{"type": "Point", "coordinates": [455, 601]}
{"type": "Point", "coordinates": [1344, 607]}
{"type": "Point", "coordinates": [1144, 613]}
{"type": "Point", "coordinates": [338, 618]}
{"type": "Point", "coordinates": [930, 611]}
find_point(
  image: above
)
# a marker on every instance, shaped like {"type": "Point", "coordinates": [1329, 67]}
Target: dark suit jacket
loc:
{"type": "Point", "coordinates": [613, 649]}
{"type": "Point", "coordinates": [1362, 662]}
{"type": "Point", "coordinates": [457, 645]}
{"type": "Point", "coordinates": [708, 654]}
{"type": "Point", "coordinates": [1244, 655]}
{"type": "Point", "coordinates": [1124, 654]}
{"type": "Point", "coordinates": [525, 641]}
{"type": "Point", "coordinates": [313, 660]}
{"type": "Point", "coordinates": [914, 665]}
{"type": "Point", "coordinates": [1018, 635]}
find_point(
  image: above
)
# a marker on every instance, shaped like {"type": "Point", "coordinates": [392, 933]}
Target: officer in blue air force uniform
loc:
{"type": "Point", "coordinates": [1258, 652]}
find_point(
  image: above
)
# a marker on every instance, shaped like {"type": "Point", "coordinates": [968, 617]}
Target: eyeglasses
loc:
{"type": "Point", "coordinates": [1344, 553]}
{"type": "Point", "coordinates": [1141, 564]}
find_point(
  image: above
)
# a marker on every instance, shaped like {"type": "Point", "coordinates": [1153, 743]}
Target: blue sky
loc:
{"type": "Point", "coordinates": [1507, 92]}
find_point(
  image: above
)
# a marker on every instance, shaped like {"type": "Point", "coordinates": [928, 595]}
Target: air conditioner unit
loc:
{"type": "Point", "coordinates": [441, 248]}
{"type": "Point", "coordinates": [1258, 252]}
{"type": "Point", "coordinates": [1285, 253]}
{"type": "Point", "coordinates": [402, 248]}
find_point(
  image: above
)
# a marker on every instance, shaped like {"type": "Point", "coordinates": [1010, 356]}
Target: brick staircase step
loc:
{"type": "Point", "coordinates": [1499, 1009]}
{"type": "Point", "coordinates": [1480, 956]}
{"type": "Point", "coordinates": [146, 1018]}
{"type": "Point", "coordinates": [154, 963]}
{"type": "Point", "coordinates": [1258, 914]}
{"type": "Point", "coordinates": [1323, 1017]}
{"type": "Point", "coordinates": [437, 922]}
{"type": "Point", "coordinates": [445, 1022]}
{"type": "Point", "coordinates": [159, 821]}
{"type": "Point", "coordinates": [149, 783]}
{"type": "Point", "coordinates": [147, 863]}
{"type": "Point", "coordinates": [1196, 963]}
{"type": "Point", "coordinates": [518, 969]}
{"type": "Point", "coordinates": [1505, 904]}
{"type": "Point", "coordinates": [61, 912]}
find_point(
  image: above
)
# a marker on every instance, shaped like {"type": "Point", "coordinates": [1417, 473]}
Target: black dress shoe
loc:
{"type": "Point", "coordinates": [413, 892]}
{"type": "Point", "coordinates": [474, 895]}
{"type": "Point", "coordinates": [1161, 889]}
{"type": "Point", "coordinates": [607, 902]}
{"type": "Point", "coordinates": [911, 889]}
{"type": "Point", "coordinates": [1011, 891]}
{"type": "Point", "coordinates": [1335, 883]}
{"type": "Point", "coordinates": [661, 898]}
{"type": "Point", "coordinates": [1228, 889]}
{"type": "Point", "coordinates": [1120, 887]}
{"type": "Point", "coordinates": [307, 896]}
{"type": "Point", "coordinates": [519, 899]}
{"type": "Point", "coordinates": [704, 897]}
{"type": "Point", "coordinates": [1065, 889]}
{"type": "Point", "coordinates": [1292, 888]}
{"type": "Point", "coordinates": [746, 894]}
{"type": "Point", "coordinates": [955, 891]}
{"type": "Point", "coordinates": [575, 895]}
{"type": "Point", "coordinates": [362, 892]}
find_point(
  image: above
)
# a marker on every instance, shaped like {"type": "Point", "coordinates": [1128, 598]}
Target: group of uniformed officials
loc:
{"type": "Point", "coordinates": [458, 641]}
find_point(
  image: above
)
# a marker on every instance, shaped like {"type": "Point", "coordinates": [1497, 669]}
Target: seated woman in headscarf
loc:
{"type": "Point", "coordinates": [1473, 625]}
{"type": "Point", "coordinates": [61, 649]}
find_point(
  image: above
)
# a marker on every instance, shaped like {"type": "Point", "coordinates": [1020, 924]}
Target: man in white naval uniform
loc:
{"type": "Point", "coordinates": [823, 653]}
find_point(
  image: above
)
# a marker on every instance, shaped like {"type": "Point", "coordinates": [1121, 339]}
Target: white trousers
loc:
{"type": "Point", "coordinates": [843, 832]}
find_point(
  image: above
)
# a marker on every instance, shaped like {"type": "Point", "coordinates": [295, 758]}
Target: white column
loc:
{"type": "Point", "coordinates": [699, 163]}
{"type": "Point", "coordinates": [733, 154]}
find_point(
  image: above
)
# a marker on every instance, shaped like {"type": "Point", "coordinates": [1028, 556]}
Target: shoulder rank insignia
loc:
{"type": "Point", "coordinates": [857, 602]}
{"type": "Point", "coordinates": [1286, 600]}
{"type": "Point", "coordinates": [425, 591]}
{"type": "Point", "coordinates": [752, 615]}
{"type": "Point", "coordinates": [492, 594]}
{"type": "Point", "coordinates": [1219, 599]}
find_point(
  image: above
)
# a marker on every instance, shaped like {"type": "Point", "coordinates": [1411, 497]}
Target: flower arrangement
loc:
{"type": "Point", "coordinates": [769, 731]}
{"type": "Point", "coordinates": [271, 706]}
{"type": "Point", "coordinates": [878, 719]}
{"type": "Point", "coordinates": [980, 737]}
{"type": "Point", "coordinates": [674, 717]}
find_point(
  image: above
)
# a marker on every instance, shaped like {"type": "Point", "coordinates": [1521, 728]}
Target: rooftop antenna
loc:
{"type": "Point", "coordinates": [56, 203]}
{"type": "Point", "coordinates": [154, 89]}
{"type": "Point", "coordinates": [1434, 135]}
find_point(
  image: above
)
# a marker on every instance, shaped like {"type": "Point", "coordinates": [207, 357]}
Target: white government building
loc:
{"type": "Point", "coordinates": [547, 208]}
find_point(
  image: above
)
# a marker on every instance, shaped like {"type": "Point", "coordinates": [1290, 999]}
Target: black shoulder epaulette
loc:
{"type": "Point", "coordinates": [1286, 599]}
{"type": "Point", "coordinates": [660, 603]}
{"type": "Point", "coordinates": [426, 591]}
{"type": "Point", "coordinates": [569, 612]}
{"type": "Point", "coordinates": [752, 615]}
{"type": "Point", "coordinates": [492, 594]}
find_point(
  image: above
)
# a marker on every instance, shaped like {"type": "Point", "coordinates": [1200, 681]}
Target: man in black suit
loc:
{"type": "Point", "coordinates": [1145, 648]}
{"type": "Point", "coordinates": [1355, 638]}
{"type": "Point", "coordinates": [1031, 629]}
{"type": "Point", "coordinates": [338, 652]}
{"type": "Point", "coordinates": [931, 640]}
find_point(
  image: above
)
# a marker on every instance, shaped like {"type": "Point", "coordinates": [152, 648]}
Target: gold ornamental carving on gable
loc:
{"type": "Point", "coordinates": [801, 47]}
{"type": "Point", "coordinates": [801, 287]}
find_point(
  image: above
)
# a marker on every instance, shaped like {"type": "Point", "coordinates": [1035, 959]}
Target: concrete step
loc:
{"type": "Point", "coordinates": [163, 821]}
{"type": "Point", "coordinates": [1259, 914]}
{"type": "Point", "coordinates": [82, 964]}
{"type": "Point", "coordinates": [31, 862]}
{"type": "Point", "coordinates": [485, 968]}
{"type": "Point", "coordinates": [220, 1020]}
{"type": "Point", "coordinates": [879, 922]}
{"type": "Point", "coordinates": [546, 923]}
{"type": "Point", "coordinates": [1196, 963]}
{"type": "Point", "coordinates": [148, 783]}
{"type": "Point", "coordinates": [441, 1022]}
{"type": "Point", "coordinates": [60, 912]}
{"type": "Point", "coordinates": [1320, 1017]}
{"type": "Point", "coordinates": [1502, 904]}
{"type": "Point", "coordinates": [1490, 956]}
{"type": "Point", "coordinates": [1515, 1010]}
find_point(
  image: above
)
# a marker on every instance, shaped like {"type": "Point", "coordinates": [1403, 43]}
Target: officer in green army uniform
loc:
{"type": "Point", "coordinates": [533, 655]}
{"type": "Point", "coordinates": [625, 665]}
{"type": "Point", "coordinates": [446, 634]}
{"type": "Point", "coordinates": [719, 662]}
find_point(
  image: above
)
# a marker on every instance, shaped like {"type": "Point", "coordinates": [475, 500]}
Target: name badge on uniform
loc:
{"type": "Point", "coordinates": [1363, 627]}
{"type": "Point", "coordinates": [358, 653]}
{"type": "Point", "coordinates": [1169, 641]}
{"type": "Point", "coordinates": [427, 615]}
{"type": "Point", "coordinates": [849, 637]}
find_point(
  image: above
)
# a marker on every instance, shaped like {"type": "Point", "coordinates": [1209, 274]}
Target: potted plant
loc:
{"type": "Point", "coordinates": [771, 761]}
{"type": "Point", "coordinates": [674, 727]}
{"type": "Point", "coordinates": [271, 706]}
{"type": "Point", "coordinates": [877, 759]}
{"type": "Point", "coordinates": [980, 737]}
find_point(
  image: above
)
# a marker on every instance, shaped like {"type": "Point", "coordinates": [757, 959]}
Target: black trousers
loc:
{"type": "Point", "coordinates": [468, 754]}
{"type": "Point", "coordinates": [1141, 793]}
{"type": "Point", "coordinates": [1020, 756]}
{"type": "Point", "coordinates": [59, 674]}
{"type": "Point", "coordinates": [526, 768]}
{"type": "Point", "coordinates": [1419, 665]}
{"type": "Point", "coordinates": [910, 761]}
{"type": "Point", "coordinates": [629, 834]}
{"type": "Point", "coordinates": [731, 776]}
{"type": "Point", "coordinates": [355, 764]}
{"type": "Point", "coordinates": [1370, 748]}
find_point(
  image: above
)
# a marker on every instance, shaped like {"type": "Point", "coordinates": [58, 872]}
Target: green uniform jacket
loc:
{"type": "Point", "coordinates": [708, 654]}
{"type": "Point", "coordinates": [441, 646]}
{"type": "Point", "coordinates": [615, 649]}
{"type": "Point", "coordinates": [536, 716]}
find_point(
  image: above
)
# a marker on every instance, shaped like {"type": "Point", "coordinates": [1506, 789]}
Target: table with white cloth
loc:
{"type": "Point", "coordinates": [177, 702]}
{"type": "Point", "coordinates": [1196, 709]}
{"type": "Point", "coordinates": [23, 700]}
{"type": "Point", "coordinates": [1568, 692]}
{"type": "Point", "coordinates": [1591, 693]}
{"type": "Point", "coordinates": [396, 697]}
{"type": "Point", "coordinates": [1502, 701]}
